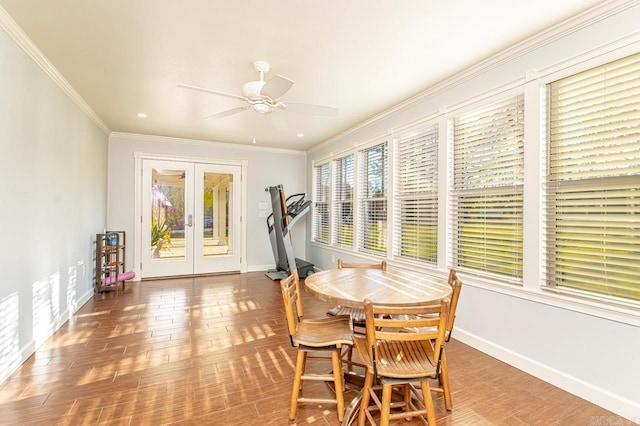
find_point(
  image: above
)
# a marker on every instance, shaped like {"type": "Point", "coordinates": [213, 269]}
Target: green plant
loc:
{"type": "Point", "coordinates": [159, 232]}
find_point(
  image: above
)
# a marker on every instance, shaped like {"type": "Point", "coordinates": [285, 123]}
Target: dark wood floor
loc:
{"type": "Point", "coordinates": [214, 351]}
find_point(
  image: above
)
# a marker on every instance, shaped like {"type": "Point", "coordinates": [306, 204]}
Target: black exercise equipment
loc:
{"type": "Point", "coordinates": [286, 212]}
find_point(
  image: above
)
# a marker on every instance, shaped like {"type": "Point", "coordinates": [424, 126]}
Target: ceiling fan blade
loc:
{"type": "Point", "coordinates": [309, 109]}
{"type": "Point", "coordinates": [227, 113]}
{"type": "Point", "coordinates": [276, 87]}
{"type": "Point", "coordinates": [213, 92]}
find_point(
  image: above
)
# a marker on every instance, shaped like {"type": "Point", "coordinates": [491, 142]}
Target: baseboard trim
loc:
{"type": "Point", "coordinates": [602, 397]}
{"type": "Point", "coordinates": [30, 348]}
{"type": "Point", "coordinates": [260, 268]}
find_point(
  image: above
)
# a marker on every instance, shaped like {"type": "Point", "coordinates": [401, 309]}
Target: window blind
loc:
{"type": "Point", "coordinates": [592, 223]}
{"type": "Point", "coordinates": [373, 200]}
{"type": "Point", "coordinates": [321, 203]}
{"type": "Point", "coordinates": [343, 201]}
{"type": "Point", "coordinates": [487, 196]}
{"type": "Point", "coordinates": [416, 196]}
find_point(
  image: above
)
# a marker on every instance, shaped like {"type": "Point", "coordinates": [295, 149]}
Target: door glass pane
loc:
{"type": "Point", "coordinates": [216, 214]}
{"type": "Point", "coordinates": [167, 214]}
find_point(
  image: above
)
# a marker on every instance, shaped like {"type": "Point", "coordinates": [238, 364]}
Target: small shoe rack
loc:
{"type": "Point", "coordinates": [110, 261]}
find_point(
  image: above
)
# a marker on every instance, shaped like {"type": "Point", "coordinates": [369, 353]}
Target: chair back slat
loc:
{"type": "Point", "coordinates": [382, 265]}
{"type": "Point", "coordinates": [452, 276]}
{"type": "Point", "coordinates": [453, 304]}
{"type": "Point", "coordinates": [385, 323]}
{"type": "Point", "coordinates": [290, 288]}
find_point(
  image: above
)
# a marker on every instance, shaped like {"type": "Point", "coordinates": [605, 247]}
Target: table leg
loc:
{"type": "Point", "coordinates": [352, 410]}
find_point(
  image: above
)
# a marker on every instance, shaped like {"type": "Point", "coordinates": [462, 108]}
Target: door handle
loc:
{"type": "Point", "coordinates": [190, 220]}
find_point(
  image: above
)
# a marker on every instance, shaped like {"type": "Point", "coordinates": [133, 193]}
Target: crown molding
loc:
{"type": "Point", "coordinates": [585, 19]}
{"type": "Point", "coordinates": [199, 142]}
{"type": "Point", "coordinates": [16, 33]}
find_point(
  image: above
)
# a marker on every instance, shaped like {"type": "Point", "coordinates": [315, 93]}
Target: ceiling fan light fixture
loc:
{"type": "Point", "coordinates": [261, 108]}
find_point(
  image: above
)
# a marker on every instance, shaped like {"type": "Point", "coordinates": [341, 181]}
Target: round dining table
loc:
{"type": "Point", "coordinates": [350, 286]}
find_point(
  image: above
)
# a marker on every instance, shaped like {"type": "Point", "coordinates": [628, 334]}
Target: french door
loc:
{"type": "Point", "coordinates": [190, 218]}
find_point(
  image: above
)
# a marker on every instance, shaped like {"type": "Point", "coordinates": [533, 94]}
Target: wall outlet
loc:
{"type": "Point", "coordinates": [333, 258]}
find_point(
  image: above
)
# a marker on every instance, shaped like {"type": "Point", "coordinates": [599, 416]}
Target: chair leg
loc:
{"type": "Point", "coordinates": [366, 395]}
{"type": "Point", "coordinates": [428, 402]}
{"type": "Point", "coordinates": [297, 380]}
{"type": "Point", "coordinates": [385, 410]}
{"type": "Point", "coordinates": [338, 378]}
{"type": "Point", "coordinates": [406, 390]}
{"type": "Point", "coordinates": [444, 381]}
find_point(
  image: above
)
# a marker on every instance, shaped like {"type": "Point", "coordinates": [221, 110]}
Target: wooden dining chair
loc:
{"type": "Point", "coordinates": [325, 336]}
{"type": "Point", "coordinates": [356, 314]}
{"type": "Point", "coordinates": [456, 287]}
{"type": "Point", "coordinates": [443, 376]}
{"type": "Point", "coordinates": [398, 359]}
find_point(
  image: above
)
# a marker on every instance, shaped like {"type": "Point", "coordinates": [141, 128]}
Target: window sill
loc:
{"type": "Point", "coordinates": [611, 311]}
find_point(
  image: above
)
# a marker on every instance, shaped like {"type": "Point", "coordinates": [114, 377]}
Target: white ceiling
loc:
{"type": "Point", "coordinates": [361, 56]}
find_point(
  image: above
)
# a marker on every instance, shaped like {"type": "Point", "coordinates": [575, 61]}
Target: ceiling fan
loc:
{"type": "Point", "coordinates": [265, 96]}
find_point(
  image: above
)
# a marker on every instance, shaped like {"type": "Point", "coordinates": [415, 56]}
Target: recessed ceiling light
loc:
{"type": "Point", "coordinates": [300, 135]}
{"type": "Point", "coordinates": [142, 115]}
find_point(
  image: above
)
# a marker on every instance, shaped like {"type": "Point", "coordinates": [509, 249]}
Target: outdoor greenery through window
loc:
{"type": "Point", "coordinates": [416, 196]}
{"type": "Point", "coordinates": [593, 187]}
{"type": "Point", "coordinates": [487, 195]}
{"type": "Point", "coordinates": [372, 198]}
{"type": "Point", "coordinates": [343, 201]}
{"type": "Point", "coordinates": [321, 203]}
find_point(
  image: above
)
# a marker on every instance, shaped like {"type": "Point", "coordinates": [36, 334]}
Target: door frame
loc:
{"type": "Point", "coordinates": [139, 157]}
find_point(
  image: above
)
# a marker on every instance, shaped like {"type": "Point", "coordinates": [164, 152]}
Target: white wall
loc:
{"type": "Point", "coordinates": [266, 167]}
{"type": "Point", "coordinates": [586, 349]}
{"type": "Point", "coordinates": [53, 169]}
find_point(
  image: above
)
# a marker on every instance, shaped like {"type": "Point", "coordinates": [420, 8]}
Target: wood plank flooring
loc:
{"type": "Point", "coordinates": [214, 351]}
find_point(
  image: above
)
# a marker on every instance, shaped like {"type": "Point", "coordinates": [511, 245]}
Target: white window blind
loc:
{"type": "Point", "coordinates": [343, 201]}
{"type": "Point", "coordinates": [416, 196]}
{"type": "Point", "coordinates": [488, 176]}
{"type": "Point", "coordinates": [372, 198]}
{"type": "Point", "coordinates": [321, 203]}
{"type": "Point", "coordinates": [592, 225]}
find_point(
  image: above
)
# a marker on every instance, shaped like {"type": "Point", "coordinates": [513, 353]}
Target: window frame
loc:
{"type": "Point", "coordinates": [416, 187]}
{"type": "Point", "coordinates": [321, 198]}
{"type": "Point", "coordinates": [477, 179]}
{"type": "Point", "coordinates": [340, 176]}
{"type": "Point", "coordinates": [371, 241]}
{"type": "Point", "coordinates": [592, 176]}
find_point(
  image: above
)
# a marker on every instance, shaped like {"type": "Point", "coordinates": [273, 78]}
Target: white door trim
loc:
{"type": "Point", "coordinates": [137, 211]}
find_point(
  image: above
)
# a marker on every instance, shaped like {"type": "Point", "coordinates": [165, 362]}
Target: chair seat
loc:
{"type": "Point", "coordinates": [321, 332]}
{"type": "Point", "coordinates": [399, 359]}
{"type": "Point", "coordinates": [356, 314]}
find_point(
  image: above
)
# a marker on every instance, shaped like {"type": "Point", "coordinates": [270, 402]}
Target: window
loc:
{"type": "Point", "coordinates": [372, 198]}
{"type": "Point", "coordinates": [321, 203]}
{"type": "Point", "coordinates": [593, 185]}
{"type": "Point", "coordinates": [488, 176]}
{"type": "Point", "coordinates": [416, 196]}
{"type": "Point", "coordinates": [343, 201]}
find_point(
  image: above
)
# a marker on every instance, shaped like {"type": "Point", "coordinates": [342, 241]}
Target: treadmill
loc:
{"type": "Point", "coordinates": [286, 212]}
